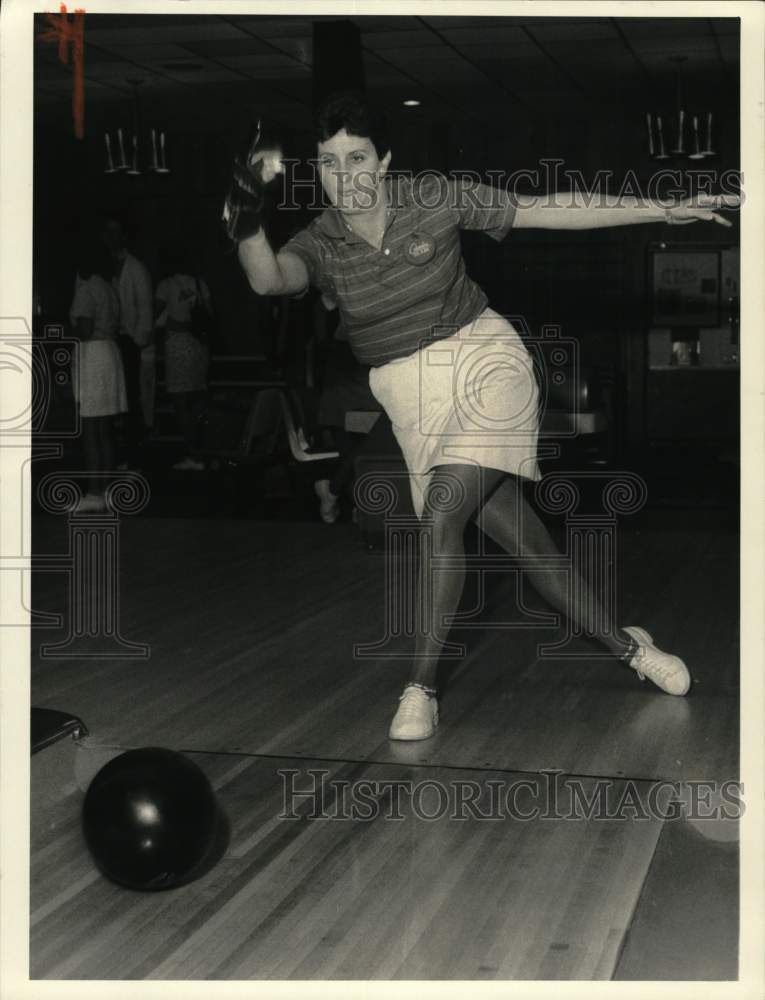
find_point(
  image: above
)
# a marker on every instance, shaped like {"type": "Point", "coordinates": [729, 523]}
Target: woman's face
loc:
{"type": "Point", "coordinates": [351, 173]}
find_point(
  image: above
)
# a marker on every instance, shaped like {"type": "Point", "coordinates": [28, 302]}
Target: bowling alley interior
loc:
{"type": "Point", "coordinates": [219, 641]}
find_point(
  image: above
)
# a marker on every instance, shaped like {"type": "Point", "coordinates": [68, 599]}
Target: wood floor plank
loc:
{"type": "Point", "coordinates": [369, 899]}
{"type": "Point", "coordinates": [263, 663]}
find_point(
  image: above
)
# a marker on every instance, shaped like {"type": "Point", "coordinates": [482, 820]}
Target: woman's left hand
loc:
{"type": "Point", "coordinates": [702, 208]}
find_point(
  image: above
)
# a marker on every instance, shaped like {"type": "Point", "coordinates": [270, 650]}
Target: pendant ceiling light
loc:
{"type": "Point", "coordinates": [118, 160]}
{"type": "Point", "coordinates": [668, 131]}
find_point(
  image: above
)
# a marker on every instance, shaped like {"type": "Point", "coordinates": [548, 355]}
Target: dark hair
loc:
{"type": "Point", "coordinates": [350, 110]}
{"type": "Point", "coordinates": [93, 258]}
{"type": "Point", "coordinates": [117, 217]}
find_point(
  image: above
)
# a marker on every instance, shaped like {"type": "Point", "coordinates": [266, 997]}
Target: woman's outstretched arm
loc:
{"type": "Point", "coordinates": [576, 210]}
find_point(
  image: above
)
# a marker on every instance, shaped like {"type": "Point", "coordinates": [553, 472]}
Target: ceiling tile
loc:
{"type": "Point", "coordinates": [146, 53]}
{"type": "Point", "coordinates": [612, 46]}
{"type": "Point", "coordinates": [126, 33]}
{"type": "Point", "coordinates": [563, 31]}
{"type": "Point", "coordinates": [50, 69]}
{"type": "Point", "coordinates": [154, 81]}
{"type": "Point", "coordinates": [216, 47]}
{"type": "Point", "coordinates": [53, 86]}
{"type": "Point", "coordinates": [209, 74]}
{"type": "Point", "coordinates": [664, 27]}
{"type": "Point", "coordinates": [381, 40]}
{"type": "Point", "coordinates": [267, 64]}
{"type": "Point", "coordinates": [690, 47]}
{"type": "Point", "coordinates": [725, 25]}
{"type": "Point", "coordinates": [299, 48]}
{"type": "Point", "coordinates": [153, 21]}
{"type": "Point", "coordinates": [486, 22]}
{"type": "Point", "coordinates": [49, 50]}
{"type": "Point", "coordinates": [506, 50]}
{"type": "Point", "coordinates": [64, 88]}
{"type": "Point", "coordinates": [93, 88]}
{"type": "Point", "coordinates": [378, 72]}
{"type": "Point", "coordinates": [502, 35]}
{"type": "Point", "coordinates": [613, 54]}
{"type": "Point", "coordinates": [274, 27]}
{"type": "Point", "coordinates": [117, 70]}
{"type": "Point", "coordinates": [466, 74]}
{"type": "Point", "coordinates": [371, 23]}
{"type": "Point", "coordinates": [532, 22]}
{"type": "Point", "coordinates": [434, 54]}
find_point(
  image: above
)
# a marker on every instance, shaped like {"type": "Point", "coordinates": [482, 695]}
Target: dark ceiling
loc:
{"type": "Point", "coordinates": [204, 69]}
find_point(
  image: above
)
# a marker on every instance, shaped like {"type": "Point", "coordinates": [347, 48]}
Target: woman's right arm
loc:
{"type": "Point", "coordinates": [269, 273]}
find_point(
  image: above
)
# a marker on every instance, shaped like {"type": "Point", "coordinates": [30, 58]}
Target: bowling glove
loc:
{"type": "Point", "coordinates": [254, 171]}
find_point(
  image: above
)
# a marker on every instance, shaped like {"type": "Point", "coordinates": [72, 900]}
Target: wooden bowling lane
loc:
{"type": "Point", "coordinates": [344, 898]}
{"type": "Point", "coordinates": [685, 927]}
{"type": "Point", "coordinates": [252, 628]}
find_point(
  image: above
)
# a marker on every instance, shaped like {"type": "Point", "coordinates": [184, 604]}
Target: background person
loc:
{"type": "Point", "coordinates": [98, 377]}
{"type": "Point", "coordinates": [136, 338]}
{"type": "Point", "coordinates": [187, 356]}
{"type": "Point", "coordinates": [344, 387]}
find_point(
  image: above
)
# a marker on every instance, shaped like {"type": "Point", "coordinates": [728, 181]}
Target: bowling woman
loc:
{"type": "Point", "coordinates": [387, 251]}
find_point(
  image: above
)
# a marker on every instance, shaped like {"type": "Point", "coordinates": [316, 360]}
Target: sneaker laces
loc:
{"type": "Point", "coordinates": [651, 668]}
{"type": "Point", "coordinates": [411, 700]}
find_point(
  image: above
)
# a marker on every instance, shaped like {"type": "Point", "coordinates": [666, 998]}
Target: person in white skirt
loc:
{"type": "Point", "coordinates": [98, 374]}
{"type": "Point", "coordinates": [454, 377]}
{"type": "Point", "coordinates": [132, 282]}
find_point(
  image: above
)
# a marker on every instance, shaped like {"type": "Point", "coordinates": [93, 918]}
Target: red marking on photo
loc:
{"type": "Point", "coordinates": [68, 32]}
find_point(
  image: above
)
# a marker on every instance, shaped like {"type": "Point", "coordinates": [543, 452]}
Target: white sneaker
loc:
{"type": "Point", "coordinates": [417, 715]}
{"type": "Point", "coordinates": [329, 504]}
{"type": "Point", "coordinates": [91, 503]}
{"type": "Point", "coordinates": [665, 670]}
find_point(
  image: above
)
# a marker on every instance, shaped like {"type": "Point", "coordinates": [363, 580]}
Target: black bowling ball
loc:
{"type": "Point", "coordinates": [150, 819]}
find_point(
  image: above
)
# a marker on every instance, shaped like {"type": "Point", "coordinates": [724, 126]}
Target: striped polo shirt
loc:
{"type": "Point", "coordinates": [414, 289]}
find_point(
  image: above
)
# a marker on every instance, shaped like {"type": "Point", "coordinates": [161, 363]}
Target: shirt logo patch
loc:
{"type": "Point", "coordinates": [420, 249]}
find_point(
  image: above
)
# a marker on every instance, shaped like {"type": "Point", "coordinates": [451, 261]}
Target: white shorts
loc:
{"type": "Point", "coordinates": [469, 399]}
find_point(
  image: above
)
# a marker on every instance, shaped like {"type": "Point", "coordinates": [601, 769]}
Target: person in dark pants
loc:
{"type": "Point", "coordinates": [345, 388]}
